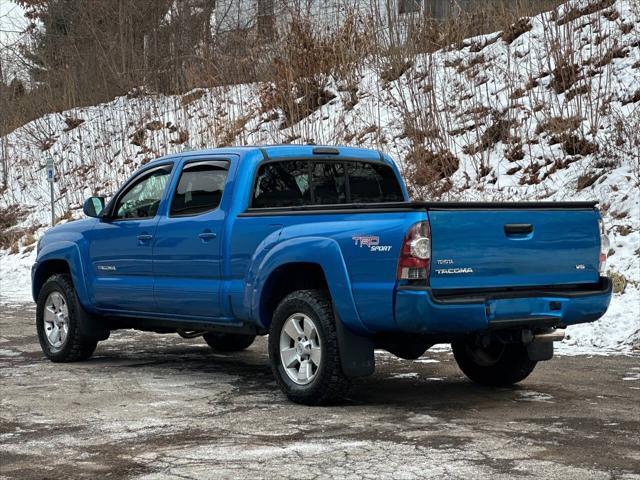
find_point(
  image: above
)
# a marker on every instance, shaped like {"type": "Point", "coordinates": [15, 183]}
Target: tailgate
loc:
{"type": "Point", "coordinates": [518, 247]}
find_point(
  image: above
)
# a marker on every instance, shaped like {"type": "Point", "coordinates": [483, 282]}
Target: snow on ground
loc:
{"type": "Point", "coordinates": [550, 114]}
{"type": "Point", "coordinates": [15, 278]}
{"type": "Point", "coordinates": [615, 331]}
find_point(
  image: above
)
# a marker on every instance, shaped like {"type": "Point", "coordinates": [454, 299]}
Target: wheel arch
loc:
{"type": "Point", "coordinates": [320, 258]}
{"type": "Point", "coordinates": [288, 278]}
{"type": "Point", "coordinates": [90, 325]}
{"type": "Point", "coordinates": [45, 270]}
{"type": "Point", "coordinates": [60, 258]}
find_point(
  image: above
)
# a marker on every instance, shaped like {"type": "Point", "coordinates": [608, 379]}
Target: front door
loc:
{"type": "Point", "coordinates": [187, 262]}
{"type": "Point", "coordinates": [120, 246]}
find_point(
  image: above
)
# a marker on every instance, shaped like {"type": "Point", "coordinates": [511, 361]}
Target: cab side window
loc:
{"type": "Point", "coordinates": [200, 188]}
{"type": "Point", "coordinates": [142, 198]}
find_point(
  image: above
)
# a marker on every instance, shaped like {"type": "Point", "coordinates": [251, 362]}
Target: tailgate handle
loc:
{"type": "Point", "coordinates": [518, 228]}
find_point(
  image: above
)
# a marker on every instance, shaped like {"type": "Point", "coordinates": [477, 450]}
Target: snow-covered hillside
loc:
{"type": "Point", "coordinates": [549, 109]}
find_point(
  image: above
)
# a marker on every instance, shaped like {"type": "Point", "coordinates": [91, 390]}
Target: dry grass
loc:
{"type": "Point", "coordinates": [497, 132]}
{"type": "Point", "coordinates": [72, 123]}
{"type": "Point", "coordinates": [191, 97]}
{"type": "Point", "coordinates": [303, 69]}
{"type": "Point", "coordinates": [183, 137]}
{"type": "Point", "coordinates": [577, 12]}
{"type": "Point", "coordinates": [105, 54]}
{"type": "Point", "coordinates": [575, 145]}
{"type": "Point", "coordinates": [514, 154]}
{"type": "Point", "coordinates": [232, 130]}
{"type": "Point", "coordinates": [10, 233]}
{"type": "Point", "coordinates": [431, 170]}
{"type": "Point", "coordinates": [564, 75]}
{"type": "Point", "coordinates": [614, 52]}
{"type": "Point", "coordinates": [558, 125]}
{"type": "Point", "coordinates": [586, 180]}
{"type": "Point", "coordinates": [395, 68]}
{"type": "Point", "coordinates": [66, 216]}
{"type": "Point", "coordinates": [517, 29]}
{"type": "Point", "coordinates": [303, 64]}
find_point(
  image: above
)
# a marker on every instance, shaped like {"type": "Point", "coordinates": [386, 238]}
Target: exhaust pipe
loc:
{"type": "Point", "coordinates": [551, 335]}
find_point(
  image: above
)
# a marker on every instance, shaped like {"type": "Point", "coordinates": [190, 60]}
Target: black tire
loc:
{"type": "Point", "coordinates": [228, 342]}
{"type": "Point", "coordinates": [329, 383]}
{"type": "Point", "coordinates": [496, 365]}
{"type": "Point", "coordinates": [75, 346]}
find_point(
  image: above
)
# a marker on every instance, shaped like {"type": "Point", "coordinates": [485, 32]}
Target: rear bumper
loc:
{"type": "Point", "coordinates": [419, 310]}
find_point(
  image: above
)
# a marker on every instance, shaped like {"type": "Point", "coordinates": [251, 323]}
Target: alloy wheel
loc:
{"type": "Point", "coordinates": [300, 350]}
{"type": "Point", "coordinates": [56, 319]}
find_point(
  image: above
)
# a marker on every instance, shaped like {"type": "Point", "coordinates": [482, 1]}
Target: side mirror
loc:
{"type": "Point", "coordinates": [93, 206]}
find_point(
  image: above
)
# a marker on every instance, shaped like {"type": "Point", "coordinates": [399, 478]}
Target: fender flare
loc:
{"type": "Point", "coordinates": [69, 253]}
{"type": "Point", "coordinates": [327, 254]}
{"type": "Point", "coordinates": [355, 346]}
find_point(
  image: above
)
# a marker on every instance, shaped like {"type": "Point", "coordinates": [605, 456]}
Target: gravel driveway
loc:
{"type": "Point", "coordinates": [150, 406]}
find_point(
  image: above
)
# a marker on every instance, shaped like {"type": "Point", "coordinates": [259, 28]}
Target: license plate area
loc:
{"type": "Point", "coordinates": [522, 308]}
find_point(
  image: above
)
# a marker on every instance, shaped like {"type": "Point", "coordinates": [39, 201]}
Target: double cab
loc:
{"type": "Point", "coordinates": [321, 249]}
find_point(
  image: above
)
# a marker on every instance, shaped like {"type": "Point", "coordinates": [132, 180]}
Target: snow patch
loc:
{"type": "Point", "coordinates": [531, 396]}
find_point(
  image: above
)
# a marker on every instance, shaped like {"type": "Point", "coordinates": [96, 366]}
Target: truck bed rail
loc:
{"type": "Point", "coordinates": [410, 206]}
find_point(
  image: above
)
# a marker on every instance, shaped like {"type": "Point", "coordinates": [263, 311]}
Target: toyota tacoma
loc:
{"type": "Point", "coordinates": [321, 249]}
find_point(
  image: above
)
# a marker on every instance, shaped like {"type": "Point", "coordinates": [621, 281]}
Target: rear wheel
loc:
{"type": "Point", "coordinates": [228, 342]}
{"type": "Point", "coordinates": [303, 349]}
{"type": "Point", "coordinates": [493, 363]}
{"type": "Point", "coordinates": [58, 322]}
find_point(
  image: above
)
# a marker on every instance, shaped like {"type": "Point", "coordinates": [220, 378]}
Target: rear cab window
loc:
{"type": "Point", "coordinates": [373, 183]}
{"type": "Point", "coordinates": [282, 184]}
{"type": "Point", "coordinates": [199, 188]}
{"type": "Point", "coordinates": [328, 183]}
{"type": "Point", "coordinates": [291, 183]}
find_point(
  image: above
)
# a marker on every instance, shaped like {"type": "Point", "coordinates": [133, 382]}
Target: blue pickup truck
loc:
{"type": "Point", "coordinates": [320, 248]}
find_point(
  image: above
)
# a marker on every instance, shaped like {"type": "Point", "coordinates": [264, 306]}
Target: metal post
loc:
{"type": "Point", "coordinates": [51, 178]}
{"type": "Point", "coordinates": [53, 212]}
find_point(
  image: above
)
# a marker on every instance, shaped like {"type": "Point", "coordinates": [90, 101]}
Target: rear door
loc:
{"type": "Point", "coordinates": [513, 247]}
{"type": "Point", "coordinates": [187, 262]}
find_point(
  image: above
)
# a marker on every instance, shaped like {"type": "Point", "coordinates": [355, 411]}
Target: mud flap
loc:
{"type": "Point", "coordinates": [540, 351]}
{"type": "Point", "coordinates": [356, 351]}
{"type": "Point", "coordinates": [91, 326]}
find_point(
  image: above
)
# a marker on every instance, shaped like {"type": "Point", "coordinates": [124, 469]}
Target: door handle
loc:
{"type": "Point", "coordinates": [207, 236]}
{"type": "Point", "coordinates": [144, 237]}
{"type": "Point", "coordinates": [518, 228]}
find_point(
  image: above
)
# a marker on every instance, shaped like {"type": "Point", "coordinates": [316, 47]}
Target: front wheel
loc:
{"type": "Point", "coordinates": [58, 314]}
{"type": "Point", "coordinates": [303, 349]}
{"type": "Point", "coordinates": [493, 364]}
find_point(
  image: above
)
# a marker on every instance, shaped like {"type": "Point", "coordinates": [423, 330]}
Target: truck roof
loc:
{"type": "Point", "coordinates": [277, 152]}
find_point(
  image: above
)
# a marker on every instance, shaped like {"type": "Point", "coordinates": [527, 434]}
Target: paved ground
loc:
{"type": "Point", "coordinates": [157, 406]}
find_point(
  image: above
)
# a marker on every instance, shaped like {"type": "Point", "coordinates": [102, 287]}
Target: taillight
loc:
{"type": "Point", "coordinates": [604, 248]}
{"type": "Point", "coordinates": [415, 255]}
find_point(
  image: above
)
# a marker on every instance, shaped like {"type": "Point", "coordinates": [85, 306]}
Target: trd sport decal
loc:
{"type": "Point", "coordinates": [370, 242]}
